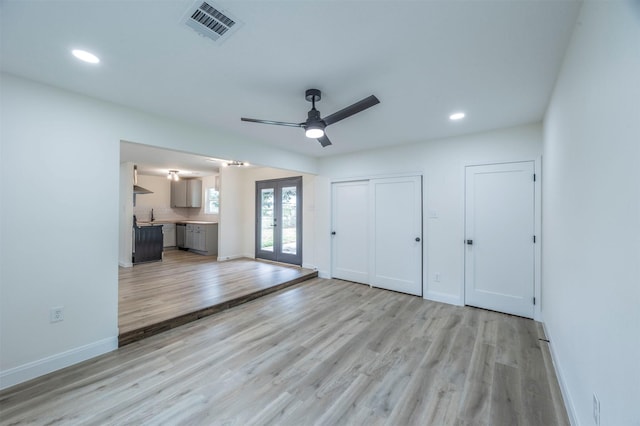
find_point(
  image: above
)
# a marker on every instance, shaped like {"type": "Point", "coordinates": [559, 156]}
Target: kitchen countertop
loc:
{"type": "Point", "coordinates": [166, 222]}
{"type": "Point", "coordinates": [197, 222]}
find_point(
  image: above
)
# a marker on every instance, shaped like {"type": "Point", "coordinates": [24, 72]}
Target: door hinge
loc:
{"type": "Point", "coordinates": [534, 239]}
{"type": "Point", "coordinates": [534, 177]}
{"type": "Point", "coordinates": [534, 300]}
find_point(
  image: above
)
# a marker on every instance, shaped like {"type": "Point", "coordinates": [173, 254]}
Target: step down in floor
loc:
{"type": "Point", "coordinates": [159, 327]}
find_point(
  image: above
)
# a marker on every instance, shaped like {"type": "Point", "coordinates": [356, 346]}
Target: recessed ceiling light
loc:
{"type": "Point", "coordinates": [85, 56]}
{"type": "Point", "coordinates": [457, 116]}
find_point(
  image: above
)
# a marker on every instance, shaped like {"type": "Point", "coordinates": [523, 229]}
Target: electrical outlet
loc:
{"type": "Point", "coordinates": [596, 410]}
{"type": "Point", "coordinates": [437, 277]}
{"type": "Point", "coordinates": [56, 314]}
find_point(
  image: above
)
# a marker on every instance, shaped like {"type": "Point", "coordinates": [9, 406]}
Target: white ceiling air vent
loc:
{"type": "Point", "coordinates": [211, 21]}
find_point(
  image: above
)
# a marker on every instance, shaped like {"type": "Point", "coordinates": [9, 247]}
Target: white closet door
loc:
{"type": "Point", "coordinates": [395, 224]}
{"type": "Point", "coordinates": [350, 232]}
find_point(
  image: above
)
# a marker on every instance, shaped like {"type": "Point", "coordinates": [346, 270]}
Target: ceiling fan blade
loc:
{"type": "Point", "coordinates": [351, 109]}
{"type": "Point", "coordinates": [324, 140]}
{"type": "Point", "coordinates": [277, 123]}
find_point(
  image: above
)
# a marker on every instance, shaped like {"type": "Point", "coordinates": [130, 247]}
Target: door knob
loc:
{"type": "Point", "coordinates": [469, 242]}
{"type": "Point", "coordinates": [333, 232]}
{"type": "Point", "coordinates": [418, 239]}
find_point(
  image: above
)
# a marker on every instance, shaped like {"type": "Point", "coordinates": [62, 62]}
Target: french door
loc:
{"type": "Point", "coordinates": [279, 220]}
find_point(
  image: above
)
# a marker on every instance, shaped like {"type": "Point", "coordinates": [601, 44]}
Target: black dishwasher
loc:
{"type": "Point", "coordinates": [147, 244]}
{"type": "Point", "coordinates": [181, 235]}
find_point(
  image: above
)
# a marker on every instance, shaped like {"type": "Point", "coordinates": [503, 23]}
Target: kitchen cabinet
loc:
{"type": "Point", "coordinates": [169, 235]}
{"type": "Point", "coordinates": [186, 193]}
{"type": "Point", "coordinates": [202, 238]}
{"type": "Point", "coordinates": [188, 237]}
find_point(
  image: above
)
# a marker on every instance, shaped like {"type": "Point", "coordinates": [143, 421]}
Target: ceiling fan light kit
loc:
{"type": "Point", "coordinates": [315, 125]}
{"type": "Point", "coordinates": [314, 132]}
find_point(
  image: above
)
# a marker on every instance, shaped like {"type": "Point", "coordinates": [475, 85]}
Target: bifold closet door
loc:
{"type": "Point", "coordinates": [350, 231]}
{"type": "Point", "coordinates": [395, 230]}
{"type": "Point", "coordinates": [376, 234]}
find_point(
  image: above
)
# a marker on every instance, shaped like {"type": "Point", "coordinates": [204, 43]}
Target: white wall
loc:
{"type": "Point", "coordinates": [159, 200]}
{"type": "Point", "coordinates": [125, 216]}
{"type": "Point", "coordinates": [442, 162]}
{"type": "Point", "coordinates": [591, 216]}
{"type": "Point", "coordinates": [231, 229]}
{"type": "Point", "coordinates": [56, 254]}
{"type": "Point", "coordinates": [62, 149]}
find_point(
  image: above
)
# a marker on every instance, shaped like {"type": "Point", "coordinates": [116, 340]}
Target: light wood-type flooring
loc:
{"type": "Point", "coordinates": [325, 352]}
{"type": "Point", "coordinates": [155, 297]}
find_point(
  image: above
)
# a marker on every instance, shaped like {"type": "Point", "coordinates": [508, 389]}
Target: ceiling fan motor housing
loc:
{"type": "Point", "coordinates": [313, 117]}
{"type": "Point", "coordinates": [314, 120]}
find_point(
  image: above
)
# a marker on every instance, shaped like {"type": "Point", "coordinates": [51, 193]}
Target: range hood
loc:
{"type": "Point", "coordinates": [138, 189]}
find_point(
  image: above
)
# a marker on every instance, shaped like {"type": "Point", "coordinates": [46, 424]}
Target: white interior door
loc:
{"type": "Point", "coordinates": [350, 233]}
{"type": "Point", "coordinates": [499, 234]}
{"type": "Point", "coordinates": [396, 234]}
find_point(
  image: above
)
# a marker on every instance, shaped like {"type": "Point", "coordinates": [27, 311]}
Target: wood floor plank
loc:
{"type": "Point", "coordinates": [323, 352]}
{"type": "Point", "coordinates": [344, 409]}
{"type": "Point", "coordinates": [422, 387]}
{"type": "Point", "coordinates": [506, 396]}
{"type": "Point", "coordinates": [476, 402]}
{"type": "Point", "coordinates": [561, 415]}
{"type": "Point", "coordinates": [274, 411]}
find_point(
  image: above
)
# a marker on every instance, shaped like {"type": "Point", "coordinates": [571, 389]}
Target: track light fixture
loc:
{"type": "Point", "coordinates": [235, 163]}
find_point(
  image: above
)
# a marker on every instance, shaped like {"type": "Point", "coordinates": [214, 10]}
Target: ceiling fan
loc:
{"type": "Point", "coordinates": [314, 126]}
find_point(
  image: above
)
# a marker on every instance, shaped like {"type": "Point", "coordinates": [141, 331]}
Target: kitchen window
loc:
{"type": "Point", "coordinates": [212, 201]}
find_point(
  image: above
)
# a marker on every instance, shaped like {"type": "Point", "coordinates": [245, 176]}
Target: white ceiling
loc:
{"type": "Point", "coordinates": [495, 60]}
{"type": "Point", "coordinates": [157, 162]}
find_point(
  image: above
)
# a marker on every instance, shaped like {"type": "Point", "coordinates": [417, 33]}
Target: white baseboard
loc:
{"type": "Point", "coordinates": [43, 366]}
{"type": "Point", "coordinates": [568, 401]}
{"type": "Point", "coordinates": [324, 274]}
{"type": "Point", "coordinates": [125, 264]}
{"type": "Point", "coordinates": [232, 257]}
{"type": "Point", "coordinates": [443, 298]}
{"type": "Point", "coordinates": [309, 266]}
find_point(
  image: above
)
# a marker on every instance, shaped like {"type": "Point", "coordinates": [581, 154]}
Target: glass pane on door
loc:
{"type": "Point", "coordinates": [267, 219]}
{"type": "Point", "coordinates": [288, 226]}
